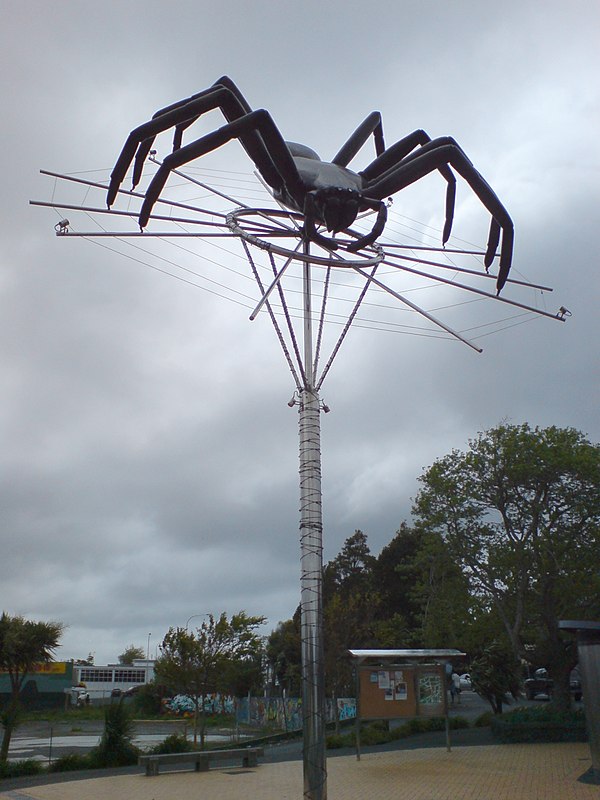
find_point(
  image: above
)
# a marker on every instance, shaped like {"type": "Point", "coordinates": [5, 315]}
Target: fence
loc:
{"type": "Point", "coordinates": [286, 713]}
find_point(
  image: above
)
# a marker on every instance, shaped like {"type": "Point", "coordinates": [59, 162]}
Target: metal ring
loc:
{"type": "Point", "coordinates": [269, 217]}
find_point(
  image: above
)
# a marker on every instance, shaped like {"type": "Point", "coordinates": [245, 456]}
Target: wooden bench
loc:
{"type": "Point", "coordinates": [201, 759]}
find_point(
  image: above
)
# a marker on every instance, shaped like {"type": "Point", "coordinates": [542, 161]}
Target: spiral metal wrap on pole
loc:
{"type": "Point", "coordinates": [311, 561]}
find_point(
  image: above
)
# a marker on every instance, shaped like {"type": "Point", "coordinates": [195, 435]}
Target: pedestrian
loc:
{"type": "Point", "coordinates": [455, 687]}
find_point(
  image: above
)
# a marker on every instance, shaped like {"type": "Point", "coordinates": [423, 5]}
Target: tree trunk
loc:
{"type": "Point", "coordinates": [202, 723]}
{"type": "Point", "coordinates": [9, 719]}
{"type": "Point", "coordinates": [195, 721]}
{"type": "Point", "coordinates": [561, 690]}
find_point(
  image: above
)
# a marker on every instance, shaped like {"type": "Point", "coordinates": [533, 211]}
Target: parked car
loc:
{"type": "Point", "coordinates": [465, 681]}
{"type": "Point", "coordinates": [542, 685]}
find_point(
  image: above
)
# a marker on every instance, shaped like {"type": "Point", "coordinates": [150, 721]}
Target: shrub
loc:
{"type": "Point", "coordinates": [418, 725]}
{"type": "Point", "coordinates": [373, 734]}
{"type": "Point", "coordinates": [542, 724]}
{"type": "Point", "coordinates": [436, 724]}
{"type": "Point", "coordinates": [70, 763]}
{"type": "Point", "coordinates": [147, 700]}
{"type": "Point", "coordinates": [115, 748]}
{"type": "Point", "coordinates": [378, 733]}
{"type": "Point", "coordinates": [175, 743]}
{"type": "Point", "coordinates": [545, 713]}
{"type": "Point", "coordinates": [337, 740]}
{"type": "Point", "coordinates": [401, 732]}
{"type": "Point", "coordinates": [484, 720]}
{"type": "Point", "coordinates": [14, 769]}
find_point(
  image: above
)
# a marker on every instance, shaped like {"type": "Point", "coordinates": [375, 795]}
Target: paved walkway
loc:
{"type": "Point", "coordinates": [489, 772]}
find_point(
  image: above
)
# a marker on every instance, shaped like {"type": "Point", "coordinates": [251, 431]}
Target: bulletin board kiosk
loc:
{"type": "Point", "coordinates": [402, 684]}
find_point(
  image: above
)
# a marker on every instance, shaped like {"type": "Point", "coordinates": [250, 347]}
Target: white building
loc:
{"type": "Point", "coordinates": [101, 681]}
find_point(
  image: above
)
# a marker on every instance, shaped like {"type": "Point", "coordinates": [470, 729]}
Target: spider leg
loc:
{"type": "Point", "coordinates": [274, 160]}
{"type": "Point", "coordinates": [230, 112]}
{"type": "Point", "coordinates": [364, 241]}
{"type": "Point", "coordinates": [371, 125]}
{"type": "Point", "coordinates": [446, 152]}
{"type": "Point", "coordinates": [223, 94]}
{"type": "Point", "coordinates": [390, 159]}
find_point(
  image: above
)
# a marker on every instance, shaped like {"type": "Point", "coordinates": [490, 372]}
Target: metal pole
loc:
{"type": "Point", "coordinates": [588, 650]}
{"type": "Point", "coordinates": [311, 561]}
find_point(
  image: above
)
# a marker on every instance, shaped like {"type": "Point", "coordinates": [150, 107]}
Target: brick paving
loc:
{"type": "Point", "coordinates": [489, 772]}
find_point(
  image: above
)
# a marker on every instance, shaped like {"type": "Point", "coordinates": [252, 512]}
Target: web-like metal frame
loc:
{"type": "Point", "coordinates": [277, 253]}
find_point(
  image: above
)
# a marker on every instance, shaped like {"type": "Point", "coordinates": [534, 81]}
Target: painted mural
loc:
{"type": "Point", "coordinates": [286, 713]}
{"type": "Point", "coordinates": [261, 712]}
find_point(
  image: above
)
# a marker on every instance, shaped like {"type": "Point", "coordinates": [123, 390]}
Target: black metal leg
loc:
{"type": "Point", "coordinates": [388, 161]}
{"type": "Point", "coordinates": [273, 160]}
{"type": "Point", "coordinates": [223, 95]}
{"type": "Point", "coordinates": [434, 155]}
{"type": "Point", "coordinates": [371, 125]}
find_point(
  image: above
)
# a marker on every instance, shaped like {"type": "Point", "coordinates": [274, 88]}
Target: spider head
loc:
{"type": "Point", "coordinates": [336, 208]}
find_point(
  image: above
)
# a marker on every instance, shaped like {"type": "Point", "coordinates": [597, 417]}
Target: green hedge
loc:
{"type": "Point", "coordinates": [540, 725]}
{"type": "Point", "coordinates": [377, 732]}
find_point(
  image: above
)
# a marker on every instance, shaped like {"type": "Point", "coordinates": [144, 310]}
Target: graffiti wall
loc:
{"type": "Point", "coordinates": [261, 712]}
{"type": "Point", "coordinates": [286, 713]}
{"type": "Point", "coordinates": [213, 704]}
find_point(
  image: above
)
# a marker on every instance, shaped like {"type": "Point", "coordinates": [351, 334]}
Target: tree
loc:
{"type": "Point", "coordinates": [284, 656]}
{"type": "Point", "coordinates": [495, 675]}
{"type": "Point", "coordinates": [520, 513]}
{"type": "Point", "coordinates": [23, 645]}
{"type": "Point", "coordinates": [350, 571]}
{"type": "Point", "coordinates": [85, 662]}
{"type": "Point", "coordinates": [199, 664]}
{"type": "Point", "coordinates": [441, 592]}
{"type": "Point", "coordinates": [130, 654]}
{"type": "Point", "coordinates": [349, 604]}
{"type": "Point", "coordinates": [396, 572]}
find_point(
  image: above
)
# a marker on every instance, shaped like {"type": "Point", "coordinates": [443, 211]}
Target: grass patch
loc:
{"type": "Point", "coordinates": [59, 715]}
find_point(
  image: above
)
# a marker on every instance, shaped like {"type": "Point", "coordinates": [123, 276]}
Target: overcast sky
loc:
{"type": "Point", "coordinates": [149, 458]}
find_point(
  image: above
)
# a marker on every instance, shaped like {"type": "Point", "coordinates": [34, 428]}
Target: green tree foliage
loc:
{"type": "Point", "coordinates": [23, 644]}
{"type": "Point", "coordinates": [130, 654]}
{"type": "Point", "coordinates": [495, 676]}
{"type": "Point", "coordinates": [519, 513]}
{"type": "Point", "coordinates": [203, 662]}
{"type": "Point", "coordinates": [396, 572]}
{"type": "Point", "coordinates": [147, 700]}
{"type": "Point", "coordinates": [284, 656]}
{"type": "Point", "coordinates": [350, 571]}
{"type": "Point", "coordinates": [348, 611]}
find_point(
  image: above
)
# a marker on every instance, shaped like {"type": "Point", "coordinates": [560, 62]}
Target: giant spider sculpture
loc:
{"type": "Point", "coordinates": [325, 193]}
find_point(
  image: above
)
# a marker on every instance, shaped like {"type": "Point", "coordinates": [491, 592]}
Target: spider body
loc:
{"type": "Point", "coordinates": [327, 193]}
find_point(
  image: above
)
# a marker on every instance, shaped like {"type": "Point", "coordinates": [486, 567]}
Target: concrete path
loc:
{"type": "Point", "coordinates": [489, 772]}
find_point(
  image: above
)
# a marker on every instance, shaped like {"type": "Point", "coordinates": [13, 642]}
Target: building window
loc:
{"type": "Point", "coordinates": [130, 676]}
{"type": "Point", "coordinates": [96, 675]}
